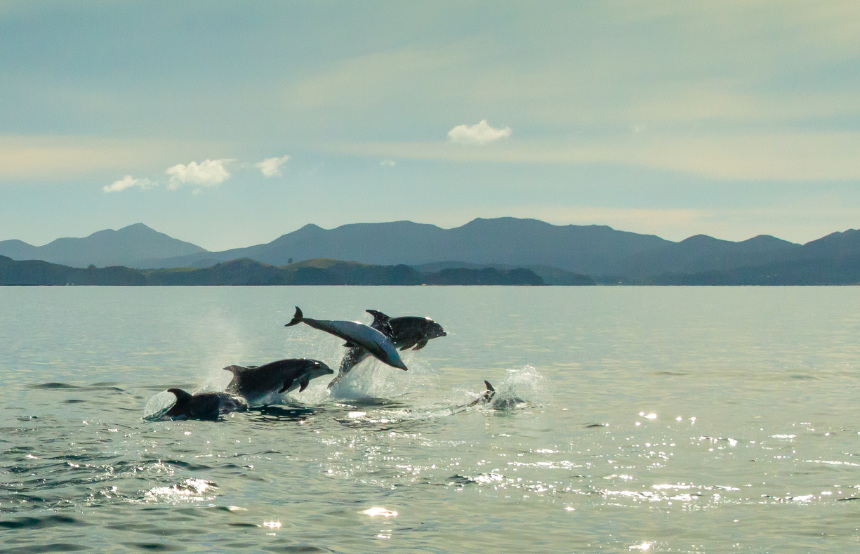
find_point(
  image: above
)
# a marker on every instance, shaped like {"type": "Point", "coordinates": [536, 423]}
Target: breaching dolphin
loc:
{"type": "Point", "coordinates": [203, 405]}
{"type": "Point", "coordinates": [408, 331]}
{"type": "Point", "coordinates": [255, 383]}
{"type": "Point", "coordinates": [405, 332]}
{"type": "Point", "coordinates": [356, 335]}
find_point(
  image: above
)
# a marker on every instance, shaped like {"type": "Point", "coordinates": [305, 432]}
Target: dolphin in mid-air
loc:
{"type": "Point", "coordinates": [408, 331]}
{"type": "Point", "coordinates": [405, 332]}
{"type": "Point", "coordinates": [356, 335]}
{"type": "Point", "coordinates": [203, 405]}
{"type": "Point", "coordinates": [255, 383]}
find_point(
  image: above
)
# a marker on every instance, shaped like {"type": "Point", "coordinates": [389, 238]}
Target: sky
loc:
{"type": "Point", "coordinates": [228, 124]}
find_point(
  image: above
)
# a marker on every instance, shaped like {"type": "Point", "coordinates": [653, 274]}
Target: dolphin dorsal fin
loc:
{"type": "Point", "coordinates": [489, 386]}
{"type": "Point", "coordinates": [179, 394]}
{"type": "Point", "coordinates": [381, 322]}
{"type": "Point", "coordinates": [378, 316]}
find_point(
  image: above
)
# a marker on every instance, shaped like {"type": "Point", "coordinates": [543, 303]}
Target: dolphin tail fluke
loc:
{"type": "Point", "coordinates": [234, 368]}
{"type": "Point", "coordinates": [297, 318]}
{"type": "Point", "coordinates": [336, 380]}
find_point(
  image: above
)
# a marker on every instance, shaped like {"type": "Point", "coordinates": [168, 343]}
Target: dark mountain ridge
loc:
{"type": "Point", "coordinates": [560, 254]}
{"type": "Point", "coordinates": [128, 246]}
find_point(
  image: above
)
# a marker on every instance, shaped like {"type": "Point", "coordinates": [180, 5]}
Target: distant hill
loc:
{"type": "Point", "coordinates": [701, 253]}
{"type": "Point", "coordinates": [245, 272]}
{"type": "Point", "coordinates": [592, 250]}
{"type": "Point", "coordinates": [556, 254]}
{"type": "Point", "coordinates": [550, 275]}
{"type": "Point", "coordinates": [132, 246]}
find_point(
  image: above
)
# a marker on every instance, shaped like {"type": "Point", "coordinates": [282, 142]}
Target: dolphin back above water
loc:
{"type": "Point", "coordinates": [486, 397]}
{"type": "Point", "coordinates": [257, 382]}
{"type": "Point", "coordinates": [356, 335]}
{"type": "Point", "coordinates": [204, 405]}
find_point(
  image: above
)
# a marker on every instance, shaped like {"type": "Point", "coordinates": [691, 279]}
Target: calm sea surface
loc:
{"type": "Point", "coordinates": [655, 419]}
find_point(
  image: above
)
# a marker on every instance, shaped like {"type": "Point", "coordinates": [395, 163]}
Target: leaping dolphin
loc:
{"type": "Point", "coordinates": [355, 334]}
{"type": "Point", "coordinates": [204, 405]}
{"type": "Point", "coordinates": [405, 332]}
{"type": "Point", "coordinates": [256, 383]}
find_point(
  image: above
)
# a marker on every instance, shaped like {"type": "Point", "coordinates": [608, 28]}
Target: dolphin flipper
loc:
{"type": "Point", "coordinates": [421, 344]}
{"type": "Point", "coordinates": [287, 384]}
{"type": "Point", "coordinates": [304, 384]}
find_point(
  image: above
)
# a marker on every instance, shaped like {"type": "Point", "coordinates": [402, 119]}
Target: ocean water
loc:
{"type": "Point", "coordinates": [631, 419]}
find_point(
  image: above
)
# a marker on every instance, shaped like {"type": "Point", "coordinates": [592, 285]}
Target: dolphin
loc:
{"type": "Point", "coordinates": [408, 331]}
{"type": "Point", "coordinates": [256, 383]}
{"type": "Point", "coordinates": [355, 334]}
{"type": "Point", "coordinates": [203, 405]}
{"type": "Point", "coordinates": [486, 397]}
{"type": "Point", "coordinates": [405, 332]}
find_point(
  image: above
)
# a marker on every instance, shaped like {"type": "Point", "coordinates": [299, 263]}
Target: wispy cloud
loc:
{"type": "Point", "coordinates": [128, 182]}
{"type": "Point", "coordinates": [208, 173]}
{"type": "Point", "coordinates": [480, 133]}
{"type": "Point", "coordinates": [271, 167]}
{"type": "Point", "coordinates": [788, 156]}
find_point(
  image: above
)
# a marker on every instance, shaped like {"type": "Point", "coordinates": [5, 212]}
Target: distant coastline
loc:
{"type": "Point", "coordinates": [327, 272]}
{"type": "Point", "coordinates": [501, 251]}
{"type": "Point", "coordinates": [245, 272]}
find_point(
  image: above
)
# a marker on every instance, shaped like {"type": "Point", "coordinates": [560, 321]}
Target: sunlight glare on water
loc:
{"type": "Point", "coordinates": [624, 419]}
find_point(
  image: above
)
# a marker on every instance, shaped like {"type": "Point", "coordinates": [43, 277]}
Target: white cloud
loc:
{"type": "Point", "coordinates": [128, 182]}
{"type": "Point", "coordinates": [207, 173]}
{"type": "Point", "coordinates": [271, 167]}
{"type": "Point", "coordinates": [787, 156]}
{"type": "Point", "coordinates": [387, 163]}
{"type": "Point", "coordinates": [480, 133]}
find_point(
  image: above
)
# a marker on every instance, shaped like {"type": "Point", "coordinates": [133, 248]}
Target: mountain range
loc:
{"type": "Point", "coordinates": [559, 254]}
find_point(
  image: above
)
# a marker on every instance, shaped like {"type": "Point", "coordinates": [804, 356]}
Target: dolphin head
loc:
{"type": "Point", "coordinates": [434, 330]}
{"type": "Point", "coordinates": [318, 369]}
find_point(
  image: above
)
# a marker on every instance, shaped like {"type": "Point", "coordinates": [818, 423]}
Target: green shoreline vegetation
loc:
{"type": "Point", "coordinates": [246, 272]}
{"type": "Point", "coordinates": [844, 270]}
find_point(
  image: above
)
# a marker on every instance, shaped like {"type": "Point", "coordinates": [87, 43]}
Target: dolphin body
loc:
{"type": "Point", "coordinates": [255, 383]}
{"type": "Point", "coordinates": [204, 405]}
{"type": "Point", "coordinates": [405, 332]}
{"type": "Point", "coordinates": [408, 331]}
{"type": "Point", "coordinates": [356, 335]}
